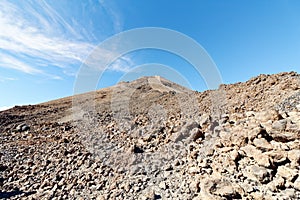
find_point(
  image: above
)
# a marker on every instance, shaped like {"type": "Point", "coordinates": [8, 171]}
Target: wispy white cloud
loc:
{"type": "Point", "coordinates": [13, 63]}
{"type": "Point", "coordinates": [3, 79]}
{"type": "Point", "coordinates": [123, 64]}
{"type": "Point", "coordinates": [108, 6]}
{"type": "Point", "coordinates": [34, 36]}
{"type": "Point", "coordinates": [100, 59]}
{"type": "Point", "coordinates": [19, 35]}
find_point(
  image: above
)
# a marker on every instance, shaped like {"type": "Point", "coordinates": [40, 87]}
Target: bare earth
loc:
{"type": "Point", "coordinates": [154, 139]}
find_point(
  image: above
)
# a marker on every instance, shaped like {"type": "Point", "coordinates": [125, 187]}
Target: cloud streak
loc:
{"type": "Point", "coordinates": [3, 79]}
{"type": "Point", "coordinates": [34, 37]}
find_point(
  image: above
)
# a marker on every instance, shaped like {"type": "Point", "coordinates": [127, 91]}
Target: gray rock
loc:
{"type": "Point", "coordinates": [221, 188]}
{"type": "Point", "coordinates": [259, 157]}
{"type": "Point", "coordinates": [190, 125]}
{"type": "Point", "coordinates": [288, 193]}
{"type": "Point", "coordinates": [22, 128]}
{"type": "Point", "coordinates": [279, 125]}
{"type": "Point", "coordinates": [258, 173]}
{"type": "Point", "coordinates": [297, 184]}
{"type": "Point", "coordinates": [149, 195]}
{"type": "Point", "coordinates": [194, 186]}
{"type": "Point", "coordinates": [276, 183]}
{"type": "Point", "coordinates": [294, 157]}
{"type": "Point", "coordinates": [284, 136]}
{"type": "Point", "coordinates": [265, 116]}
{"type": "Point", "coordinates": [298, 107]}
{"type": "Point", "coordinates": [287, 173]}
{"type": "Point", "coordinates": [262, 144]}
{"type": "Point", "coordinates": [162, 185]}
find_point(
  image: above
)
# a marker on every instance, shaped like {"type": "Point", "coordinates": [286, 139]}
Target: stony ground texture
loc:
{"type": "Point", "coordinates": [153, 139]}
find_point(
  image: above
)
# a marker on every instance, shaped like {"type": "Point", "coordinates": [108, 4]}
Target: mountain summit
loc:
{"type": "Point", "coordinates": [154, 139]}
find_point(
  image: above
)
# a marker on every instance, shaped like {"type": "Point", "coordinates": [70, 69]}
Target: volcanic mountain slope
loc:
{"type": "Point", "coordinates": [153, 139]}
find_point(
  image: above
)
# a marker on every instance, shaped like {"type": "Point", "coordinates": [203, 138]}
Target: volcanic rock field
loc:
{"type": "Point", "coordinates": [154, 139]}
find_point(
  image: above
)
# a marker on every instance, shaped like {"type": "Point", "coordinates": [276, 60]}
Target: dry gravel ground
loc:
{"type": "Point", "coordinates": [153, 139]}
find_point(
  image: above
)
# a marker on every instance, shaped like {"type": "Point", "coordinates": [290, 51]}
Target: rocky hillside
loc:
{"type": "Point", "coordinates": [153, 139]}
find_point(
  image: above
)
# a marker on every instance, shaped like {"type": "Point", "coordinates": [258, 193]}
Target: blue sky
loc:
{"type": "Point", "coordinates": [44, 43]}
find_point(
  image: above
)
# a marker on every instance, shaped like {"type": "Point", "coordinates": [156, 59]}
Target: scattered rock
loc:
{"type": "Point", "coordinates": [287, 173]}
{"type": "Point", "coordinates": [297, 184]}
{"type": "Point", "coordinates": [294, 157]}
{"type": "Point", "coordinates": [250, 150]}
{"type": "Point", "coordinates": [257, 173]}
{"type": "Point", "coordinates": [262, 144]}
{"type": "Point", "coordinates": [279, 125]}
{"type": "Point", "coordinates": [276, 184]}
{"type": "Point", "coordinates": [162, 185]}
{"type": "Point", "coordinates": [22, 128]}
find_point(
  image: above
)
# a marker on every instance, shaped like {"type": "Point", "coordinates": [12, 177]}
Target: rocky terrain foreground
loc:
{"type": "Point", "coordinates": [153, 139]}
